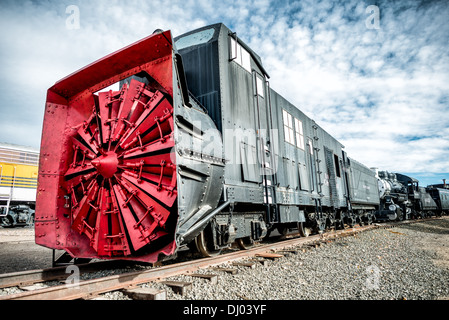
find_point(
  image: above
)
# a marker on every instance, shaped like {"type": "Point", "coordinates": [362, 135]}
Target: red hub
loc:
{"type": "Point", "coordinates": [106, 164]}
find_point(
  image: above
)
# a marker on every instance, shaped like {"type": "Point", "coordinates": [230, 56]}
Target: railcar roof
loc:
{"type": "Point", "coordinates": [218, 26]}
{"type": "Point", "coordinates": [11, 146]}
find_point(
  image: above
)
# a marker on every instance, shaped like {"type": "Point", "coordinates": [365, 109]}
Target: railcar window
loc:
{"type": "Point", "coordinates": [288, 127]}
{"type": "Point", "coordinates": [19, 157]}
{"type": "Point", "coordinates": [299, 134]}
{"type": "Point", "coordinates": [195, 39]}
{"type": "Point", "coordinates": [259, 86]}
{"type": "Point", "coordinates": [246, 59]}
{"type": "Point", "coordinates": [240, 55]}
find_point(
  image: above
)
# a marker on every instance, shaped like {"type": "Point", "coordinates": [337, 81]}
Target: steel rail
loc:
{"type": "Point", "coordinates": [28, 277]}
{"type": "Point", "coordinates": [89, 288]}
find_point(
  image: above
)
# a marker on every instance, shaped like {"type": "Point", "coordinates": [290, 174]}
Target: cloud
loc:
{"type": "Point", "coordinates": [381, 92]}
{"type": "Point", "coordinates": [37, 49]}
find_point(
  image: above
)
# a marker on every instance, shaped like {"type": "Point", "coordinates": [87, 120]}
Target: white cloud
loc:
{"type": "Point", "coordinates": [382, 93]}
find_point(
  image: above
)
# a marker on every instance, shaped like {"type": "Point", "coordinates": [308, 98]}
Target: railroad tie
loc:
{"type": "Point", "coordinates": [267, 255]}
{"type": "Point", "coordinates": [213, 278]}
{"type": "Point", "coordinates": [287, 252]}
{"type": "Point", "coordinates": [251, 265]}
{"type": "Point", "coordinates": [34, 286]}
{"type": "Point", "coordinates": [140, 293]}
{"type": "Point", "coordinates": [180, 287]}
{"type": "Point", "coordinates": [261, 260]}
{"type": "Point", "coordinates": [227, 270]}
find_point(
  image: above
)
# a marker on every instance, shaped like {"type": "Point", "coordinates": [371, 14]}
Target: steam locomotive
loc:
{"type": "Point", "coordinates": [401, 198]}
{"type": "Point", "coordinates": [169, 143]}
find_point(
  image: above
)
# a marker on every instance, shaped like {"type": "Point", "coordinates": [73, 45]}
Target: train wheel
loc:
{"type": "Point", "coordinates": [399, 215]}
{"type": "Point", "coordinates": [350, 221]}
{"type": "Point", "coordinates": [30, 222]}
{"type": "Point", "coordinates": [245, 243]}
{"type": "Point", "coordinates": [339, 221]}
{"type": "Point", "coordinates": [331, 217]}
{"type": "Point", "coordinates": [204, 245]}
{"type": "Point", "coordinates": [340, 224]}
{"type": "Point", "coordinates": [283, 230]}
{"type": "Point", "coordinates": [369, 219]}
{"type": "Point", "coordinates": [303, 230]}
{"type": "Point", "coordinates": [7, 222]}
{"type": "Point", "coordinates": [320, 224]}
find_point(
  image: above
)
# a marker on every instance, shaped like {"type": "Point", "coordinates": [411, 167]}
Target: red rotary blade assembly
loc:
{"type": "Point", "coordinates": [107, 180]}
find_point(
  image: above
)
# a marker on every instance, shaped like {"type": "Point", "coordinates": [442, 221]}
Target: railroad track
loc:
{"type": "Point", "coordinates": [88, 289]}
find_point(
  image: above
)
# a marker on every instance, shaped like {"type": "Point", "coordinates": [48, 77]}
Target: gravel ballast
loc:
{"type": "Point", "coordinates": [410, 262]}
{"type": "Point", "coordinates": [405, 263]}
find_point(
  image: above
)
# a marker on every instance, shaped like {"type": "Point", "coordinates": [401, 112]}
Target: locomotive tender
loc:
{"type": "Point", "coordinates": [194, 148]}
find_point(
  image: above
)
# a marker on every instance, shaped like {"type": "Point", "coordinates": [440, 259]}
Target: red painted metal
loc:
{"type": "Point", "coordinates": [107, 177]}
{"type": "Point", "coordinates": [106, 164]}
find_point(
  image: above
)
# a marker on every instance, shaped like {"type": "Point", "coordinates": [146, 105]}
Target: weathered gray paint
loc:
{"type": "Point", "coordinates": [228, 92]}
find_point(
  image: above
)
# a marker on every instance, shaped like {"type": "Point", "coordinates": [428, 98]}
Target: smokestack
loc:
{"type": "Point", "coordinates": [444, 183]}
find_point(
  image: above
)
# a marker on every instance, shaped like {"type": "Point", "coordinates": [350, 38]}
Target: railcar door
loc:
{"type": "Point", "coordinates": [312, 167]}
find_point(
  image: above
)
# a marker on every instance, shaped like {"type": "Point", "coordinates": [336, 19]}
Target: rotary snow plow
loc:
{"type": "Point", "coordinates": [122, 172]}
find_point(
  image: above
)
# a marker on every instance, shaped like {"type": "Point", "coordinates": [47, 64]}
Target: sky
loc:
{"type": "Point", "coordinates": [373, 74]}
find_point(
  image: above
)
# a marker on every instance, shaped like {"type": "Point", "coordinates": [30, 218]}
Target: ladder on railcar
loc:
{"type": "Point", "coordinates": [329, 156]}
